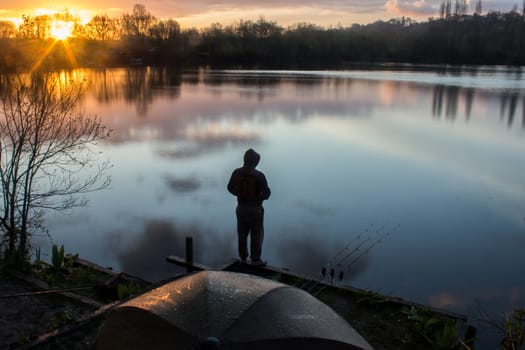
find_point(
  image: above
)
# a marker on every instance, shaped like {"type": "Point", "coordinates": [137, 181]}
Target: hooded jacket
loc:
{"type": "Point", "coordinates": [247, 183]}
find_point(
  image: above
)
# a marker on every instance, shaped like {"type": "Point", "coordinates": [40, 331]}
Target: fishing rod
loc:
{"type": "Point", "coordinates": [379, 240]}
{"type": "Point", "coordinates": [332, 263]}
{"type": "Point", "coordinates": [346, 247]}
{"type": "Point", "coordinates": [354, 261]}
{"type": "Point", "coordinates": [323, 272]}
{"type": "Point", "coordinates": [353, 251]}
{"type": "Point", "coordinates": [379, 231]}
{"type": "Point", "coordinates": [381, 235]}
{"type": "Point", "coordinates": [340, 274]}
{"type": "Point", "coordinates": [331, 272]}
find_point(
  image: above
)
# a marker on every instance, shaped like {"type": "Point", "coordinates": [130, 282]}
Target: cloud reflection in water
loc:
{"type": "Point", "coordinates": [144, 255]}
{"type": "Point", "coordinates": [189, 184]}
{"type": "Point", "coordinates": [196, 143]}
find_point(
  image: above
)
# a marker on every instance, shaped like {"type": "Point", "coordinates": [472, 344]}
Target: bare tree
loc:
{"type": "Point", "coordinates": [37, 27]}
{"type": "Point", "coordinates": [165, 30]}
{"type": "Point", "coordinates": [7, 29]}
{"type": "Point", "coordinates": [46, 156]}
{"type": "Point", "coordinates": [101, 27]}
{"type": "Point", "coordinates": [137, 24]}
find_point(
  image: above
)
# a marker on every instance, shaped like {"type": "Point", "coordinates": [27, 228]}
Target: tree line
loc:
{"type": "Point", "coordinates": [455, 37]}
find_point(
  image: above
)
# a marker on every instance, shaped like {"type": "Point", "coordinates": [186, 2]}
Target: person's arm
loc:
{"type": "Point", "coordinates": [232, 188]}
{"type": "Point", "coordinates": [264, 189]}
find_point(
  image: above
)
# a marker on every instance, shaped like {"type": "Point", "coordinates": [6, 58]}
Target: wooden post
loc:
{"type": "Point", "coordinates": [189, 253]}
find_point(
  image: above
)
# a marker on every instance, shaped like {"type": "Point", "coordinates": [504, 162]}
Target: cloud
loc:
{"type": "Point", "coordinates": [412, 8]}
{"type": "Point", "coordinates": [202, 13]}
{"type": "Point", "coordinates": [427, 8]}
{"type": "Point", "coordinates": [189, 8]}
{"type": "Point", "coordinates": [498, 5]}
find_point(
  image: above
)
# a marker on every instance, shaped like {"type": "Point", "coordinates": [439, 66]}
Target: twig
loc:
{"type": "Point", "coordinates": [52, 291]}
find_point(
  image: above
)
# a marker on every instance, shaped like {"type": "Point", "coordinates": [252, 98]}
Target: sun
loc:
{"type": "Point", "coordinates": [61, 30]}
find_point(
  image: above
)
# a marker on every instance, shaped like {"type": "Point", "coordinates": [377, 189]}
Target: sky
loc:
{"type": "Point", "coordinates": [202, 13]}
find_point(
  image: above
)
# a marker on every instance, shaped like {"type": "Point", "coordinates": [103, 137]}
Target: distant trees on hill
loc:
{"type": "Point", "coordinates": [141, 38]}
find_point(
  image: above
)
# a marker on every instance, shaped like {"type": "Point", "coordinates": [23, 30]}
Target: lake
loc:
{"type": "Point", "coordinates": [410, 180]}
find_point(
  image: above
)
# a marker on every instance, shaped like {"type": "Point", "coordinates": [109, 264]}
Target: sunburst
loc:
{"type": "Point", "coordinates": [61, 30]}
{"type": "Point", "coordinates": [60, 37]}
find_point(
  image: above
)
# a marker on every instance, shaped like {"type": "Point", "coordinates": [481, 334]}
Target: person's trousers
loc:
{"type": "Point", "coordinates": [250, 223]}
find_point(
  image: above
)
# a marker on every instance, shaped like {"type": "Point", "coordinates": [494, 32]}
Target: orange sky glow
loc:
{"type": "Point", "coordinates": [202, 13]}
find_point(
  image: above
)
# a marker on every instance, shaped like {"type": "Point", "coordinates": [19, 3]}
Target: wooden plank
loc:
{"type": "Point", "coordinates": [92, 266]}
{"type": "Point", "coordinates": [225, 266]}
{"type": "Point", "coordinates": [177, 260]}
{"type": "Point", "coordinates": [268, 270]}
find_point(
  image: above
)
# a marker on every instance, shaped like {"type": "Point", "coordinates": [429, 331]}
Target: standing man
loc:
{"type": "Point", "coordinates": [251, 188]}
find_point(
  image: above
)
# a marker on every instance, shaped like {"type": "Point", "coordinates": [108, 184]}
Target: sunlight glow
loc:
{"type": "Point", "coordinates": [61, 30]}
{"type": "Point", "coordinates": [67, 48]}
{"type": "Point", "coordinates": [44, 12]}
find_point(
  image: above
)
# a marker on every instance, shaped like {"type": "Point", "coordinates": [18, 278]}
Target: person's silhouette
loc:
{"type": "Point", "coordinates": [251, 188]}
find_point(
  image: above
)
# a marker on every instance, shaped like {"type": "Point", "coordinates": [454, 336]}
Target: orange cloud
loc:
{"type": "Point", "coordinates": [411, 8]}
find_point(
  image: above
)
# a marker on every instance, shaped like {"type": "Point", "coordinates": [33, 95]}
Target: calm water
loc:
{"type": "Point", "coordinates": [425, 168]}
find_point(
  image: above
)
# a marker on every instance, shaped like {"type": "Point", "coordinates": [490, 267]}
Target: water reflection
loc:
{"type": "Point", "coordinates": [183, 185]}
{"type": "Point", "coordinates": [137, 86]}
{"type": "Point", "coordinates": [512, 101]}
{"type": "Point", "coordinates": [445, 101]}
{"type": "Point", "coordinates": [523, 113]}
{"type": "Point", "coordinates": [449, 97]}
{"type": "Point", "coordinates": [469, 100]}
{"type": "Point", "coordinates": [144, 254]}
{"type": "Point", "coordinates": [441, 154]}
{"type": "Point", "coordinates": [309, 94]}
{"type": "Point", "coordinates": [207, 141]}
{"type": "Point", "coordinates": [307, 253]}
{"type": "Point", "coordinates": [199, 120]}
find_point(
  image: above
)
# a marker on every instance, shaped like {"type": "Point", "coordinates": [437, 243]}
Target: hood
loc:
{"type": "Point", "coordinates": [251, 158]}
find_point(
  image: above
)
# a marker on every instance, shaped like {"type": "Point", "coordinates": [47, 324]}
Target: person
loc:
{"type": "Point", "coordinates": [251, 188]}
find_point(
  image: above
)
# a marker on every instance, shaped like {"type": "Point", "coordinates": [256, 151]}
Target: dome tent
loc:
{"type": "Point", "coordinates": [226, 310]}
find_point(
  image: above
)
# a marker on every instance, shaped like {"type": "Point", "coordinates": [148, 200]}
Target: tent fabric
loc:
{"type": "Point", "coordinates": [215, 296]}
{"type": "Point", "coordinates": [291, 313]}
{"type": "Point", "coordinates": [138, 329]}
{"type": "Point", "coordinates": [242, 311]}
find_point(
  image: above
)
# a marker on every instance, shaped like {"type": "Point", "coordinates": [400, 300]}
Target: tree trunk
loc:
{"type": "Point", "coordinates": [22, 247]}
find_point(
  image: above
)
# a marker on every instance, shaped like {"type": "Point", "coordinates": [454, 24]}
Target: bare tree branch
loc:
{"type": "Point", "coordinates": [46, 153]}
